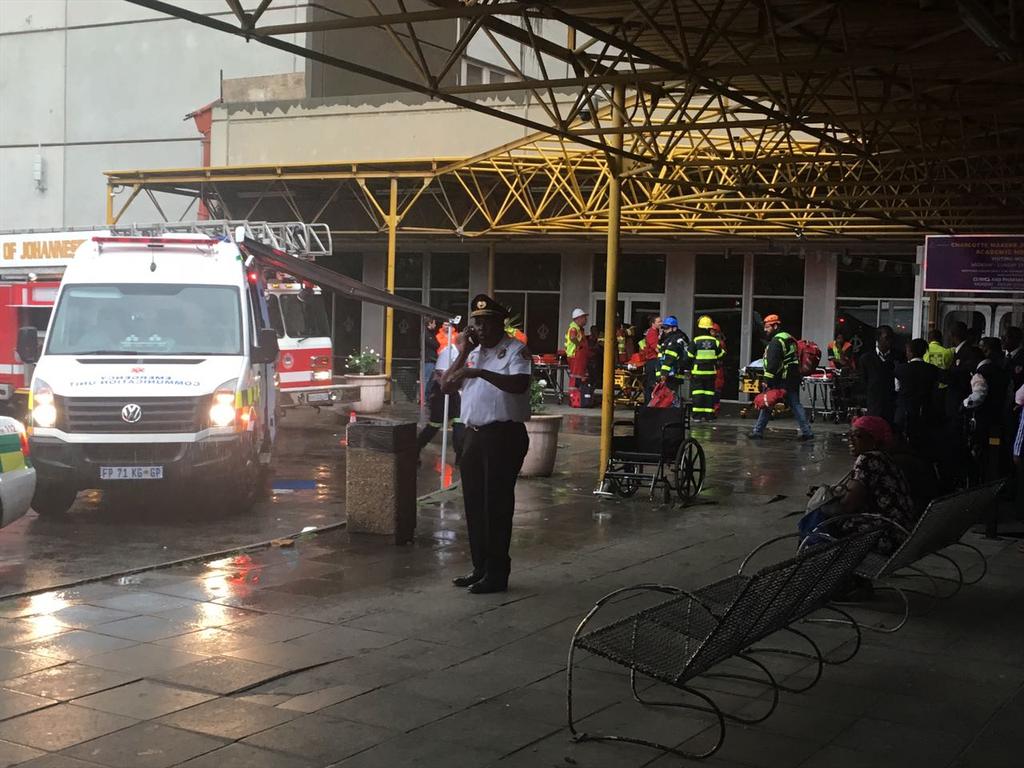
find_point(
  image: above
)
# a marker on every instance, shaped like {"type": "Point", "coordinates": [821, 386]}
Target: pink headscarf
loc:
{"type": "Point", "coordinates": [875, 426]}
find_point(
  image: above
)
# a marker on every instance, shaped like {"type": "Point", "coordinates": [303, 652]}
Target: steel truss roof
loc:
{"type": "Point", "coordinates": [758, 117]}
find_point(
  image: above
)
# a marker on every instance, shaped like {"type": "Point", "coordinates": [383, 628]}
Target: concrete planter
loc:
{"type": "Point", "coordinates": [371, 392]}
{"type": "Point", "coordinates": [543, 433]}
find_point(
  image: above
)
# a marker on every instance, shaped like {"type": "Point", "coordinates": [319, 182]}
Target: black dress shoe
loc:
{"type": "Point", "coordinates": [468, 580]}
{"type": "Point", "coordinates": [487, 586]}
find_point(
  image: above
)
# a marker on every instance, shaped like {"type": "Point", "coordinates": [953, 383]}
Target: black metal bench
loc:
{"type": "Point", "coordinates": [657, 453]}
{"type": "Point", "coordinates": [941, 526]}
{"type": "Point", "coordinates": [691, 633]}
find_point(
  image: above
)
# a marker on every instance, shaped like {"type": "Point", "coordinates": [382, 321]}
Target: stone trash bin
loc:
{"type": "Point", "coordinates": [380, 478]}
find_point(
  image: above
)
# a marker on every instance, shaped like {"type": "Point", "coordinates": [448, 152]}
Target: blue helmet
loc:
{"type": "Point", "coordinates": [670, 322]}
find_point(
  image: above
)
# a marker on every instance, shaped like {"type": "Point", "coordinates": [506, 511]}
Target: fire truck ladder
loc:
{"type": "Point", "coordinates": [290, 247]}
{"type": "Point", "coordinates": [268, 257]}
{"type": "Point", "coordinates": [304, 241]}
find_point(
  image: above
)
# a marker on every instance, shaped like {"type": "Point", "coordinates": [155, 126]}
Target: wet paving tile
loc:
{"type": "Point", "coordinates": [14, 703]}
{"type": "Point", "coordinates": [76, 645]}
{"type": "Point", "coordinates": [17, 663]}
{"type": "Point", "coordinates": [15, 632]}
{"type": "Point", "coordinates": [141, 602]}
{"type": "Point", "coordinates": [204, 615]}
{"type": "Point", "coordinates": [144, 660]}
{"type": "Point", "coordinates": [145, 745]}
{"type": "Point", "coordinates": [320, 739]}
{"type": "Point", "coordinates": [16, 754]}
{"type": "Point", "coordinates": [219, 674]}
{"type": "Point", "coordinates": [246, 756]}
{"type": "Point", "coordinates": [228, 718]}
{"type": "Point", "coordinates": [314, 701]}
{"type": "Point", "coordinates": [68, 681]}
{"type": "Point", "coordinates": [273, 628]}
{"type": "Point", "coordinates": [144, 700]}
{"type": "Point", "coordinates": [390, 708]}
{"type": "Point", "coordinates": [85, 616]}
{"type": "Point", "coordinates": [61, 726]}
{"type": "Point", "coordinates": [209, 642]}
{"type": "Point", "coordinates": [142, 629]}
{"type": "Point", "coordinates": [413, 751]}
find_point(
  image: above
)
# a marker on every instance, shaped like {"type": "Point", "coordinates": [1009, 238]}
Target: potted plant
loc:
{"type": "Point", "coordinates": [364, 370]}
{"type": "Point", "coordinates": [542, 429]}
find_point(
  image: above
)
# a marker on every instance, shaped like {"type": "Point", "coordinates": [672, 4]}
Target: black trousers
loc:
{"type": "Point", "coordinates": [491, 460]}
{"type": "Point", "coordinates": [702, 392]}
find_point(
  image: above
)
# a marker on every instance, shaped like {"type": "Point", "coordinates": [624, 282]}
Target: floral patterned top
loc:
{"type": "Point", "coordinates": [888, 496]}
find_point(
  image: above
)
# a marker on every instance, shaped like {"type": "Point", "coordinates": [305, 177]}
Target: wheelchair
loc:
{"type": "Point", "coordinates": [657, 453]}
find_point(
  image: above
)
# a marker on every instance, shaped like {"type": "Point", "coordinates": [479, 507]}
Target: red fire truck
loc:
{"type": "Point", "coordinates": [32, 263]}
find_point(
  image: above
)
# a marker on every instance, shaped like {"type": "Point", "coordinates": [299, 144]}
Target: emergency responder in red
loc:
{"type": "Point", "coordinates": [781, 371]}
{"type": "Point", "coordinates": [650, 353]}
{"type": "Point", "coordinates": [705, 351]}
{"type": "Point", "coordinates": [673, 347]}
{"type": "Point", "coordinates": [493, 370]}
{"type": "Point", "coordinates": [840, 352]}
{"type": "Point", "coordinates": [577, 347]}
{"type": "Point", "coordinates": [716, 331]}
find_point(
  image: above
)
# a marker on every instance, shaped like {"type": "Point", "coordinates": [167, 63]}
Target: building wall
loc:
{"type": "Point", "coordinates": [95, 85]}
{"type": "Point", "coordinates": [356, 129]}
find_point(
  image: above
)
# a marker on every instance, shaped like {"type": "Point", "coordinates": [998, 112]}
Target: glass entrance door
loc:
{"type": "Point", "coordinates": [634, 308]}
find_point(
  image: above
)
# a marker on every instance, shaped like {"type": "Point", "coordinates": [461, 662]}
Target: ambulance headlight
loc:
{"type": "Point", "coordinates": [222, 407]}
{"type": "Point", "coordinates": [44, 409]}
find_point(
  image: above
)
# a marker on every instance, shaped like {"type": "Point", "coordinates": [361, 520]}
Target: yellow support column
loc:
{"type": "Point", "coordinates": [389, 316]}
{"type": "Point", "coordinates": [110, 205]}
{"type": "Point", "coordinates": [611, 289]}
{"type": "Point", "coordinates": [490, 270]}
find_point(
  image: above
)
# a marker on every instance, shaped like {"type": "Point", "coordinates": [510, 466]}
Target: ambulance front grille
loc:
{"type": "Point", "coordinates": [157, 414]}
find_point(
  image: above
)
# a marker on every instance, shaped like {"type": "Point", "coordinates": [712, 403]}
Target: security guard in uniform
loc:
{"type": "Point", "coordinates": [674, 355]}
{"type": "Point", "coordinates": [493, 371]}
{"type": "Point", "coordinates": [706, 350]}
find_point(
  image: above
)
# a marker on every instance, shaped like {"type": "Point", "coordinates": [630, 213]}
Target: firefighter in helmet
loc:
{"type": "Point", "coordinates": [674, 356]}
{"type": "Point", "coordinates": [706, 351]}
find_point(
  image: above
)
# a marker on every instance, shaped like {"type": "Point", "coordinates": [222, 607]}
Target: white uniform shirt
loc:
{"type": "Point", "coordinates": [482, 402]}
{"type": "Point", "coordinates": [445, 358]}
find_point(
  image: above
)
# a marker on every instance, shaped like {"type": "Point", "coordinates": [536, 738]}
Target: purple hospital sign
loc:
{"type": "Point", "coordinates": [974, 263]}
{"type": "Point", "coordinates": [978, 263]}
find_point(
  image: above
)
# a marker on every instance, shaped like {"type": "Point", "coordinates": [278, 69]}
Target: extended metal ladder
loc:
{"type": "Point", "coordinates": [304, 241]}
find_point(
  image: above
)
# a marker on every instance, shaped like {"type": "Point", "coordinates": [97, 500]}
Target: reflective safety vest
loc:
{"type": "Point", "coordinates": [836, 353]}
{"type": "Point", "coordinates": [788, 359]}
{"type": "Point", "coordinates": [706, 351]}
{"type": "Point", "coordinates": [674, 355]}
{"type": "Point", "coordinates": [572, 340]}
{"type": "Point", "coordinates": [939, 356]}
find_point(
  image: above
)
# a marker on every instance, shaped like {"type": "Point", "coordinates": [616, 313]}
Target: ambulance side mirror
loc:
{"type": "Point", "coordinates": [28, 345]}
{"type": "Point", "coordinates": [266, 349]}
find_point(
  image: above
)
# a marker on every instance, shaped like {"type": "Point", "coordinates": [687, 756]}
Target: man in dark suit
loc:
{"type": "Point", "coordinates": [878, 367]}
{"type": "Point", "coordinates": [954, 454]}
{"type": "Point", "coordinates": [916, 384]}
{"type": "Point", "coordinates": [1013, 347]}
{"type": "Point", "coordinates": [965, 359]}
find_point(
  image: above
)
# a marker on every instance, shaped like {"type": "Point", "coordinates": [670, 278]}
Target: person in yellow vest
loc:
{"type": "Point", "coordinates": [705, 350]}
{"type": "Point", "coordinates": [939, 356]}
{"type": "Point", "coordinates": [942, 358]}
{"type": "Point", "coordinates": [576, 345]}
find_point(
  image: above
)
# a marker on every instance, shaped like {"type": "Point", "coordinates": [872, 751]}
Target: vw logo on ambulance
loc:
{"type": "Point", "coordinates": [131, 413]}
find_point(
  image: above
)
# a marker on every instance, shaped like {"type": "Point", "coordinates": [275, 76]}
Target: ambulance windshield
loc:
{"type": "Point", "coordinates": [147, 319]}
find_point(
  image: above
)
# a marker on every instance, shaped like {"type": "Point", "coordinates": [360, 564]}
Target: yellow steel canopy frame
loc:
{"type": "Point", "coordinates": [795, 118]}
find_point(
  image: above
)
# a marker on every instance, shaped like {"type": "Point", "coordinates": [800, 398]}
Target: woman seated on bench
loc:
{"type": "Point", "coordinates": [874, 486]}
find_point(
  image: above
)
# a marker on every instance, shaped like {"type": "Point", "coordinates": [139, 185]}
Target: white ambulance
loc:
{"type": "Point", "coordinates": [157, 372]}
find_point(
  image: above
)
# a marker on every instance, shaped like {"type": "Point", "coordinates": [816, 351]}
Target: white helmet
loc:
{"type": "Point", "coordinates": [578, 312]}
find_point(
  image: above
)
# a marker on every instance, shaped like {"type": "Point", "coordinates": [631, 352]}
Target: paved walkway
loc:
{"type": "Point", "coordinates": [344, 650]}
